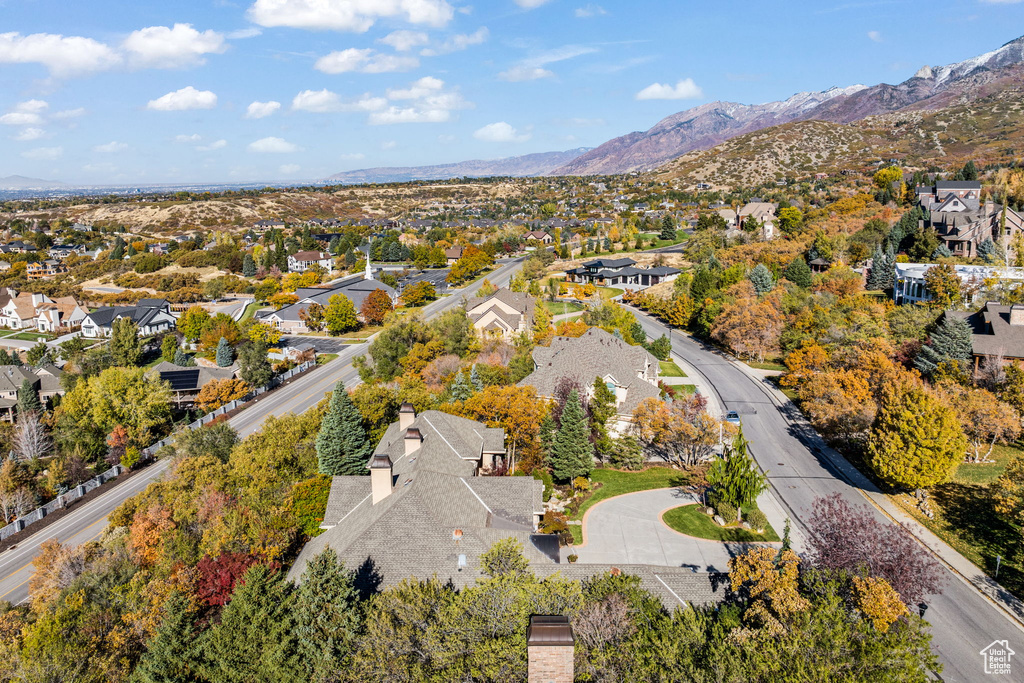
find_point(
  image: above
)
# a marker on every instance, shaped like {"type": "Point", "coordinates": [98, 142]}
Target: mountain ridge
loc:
{"type": "Point", "coordinates": [537, 164]}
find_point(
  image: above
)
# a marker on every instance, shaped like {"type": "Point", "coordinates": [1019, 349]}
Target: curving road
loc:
{"type": "Point", "coordinates": [963, 621]}
{"type": "Point", "coordinates": [85, 523]}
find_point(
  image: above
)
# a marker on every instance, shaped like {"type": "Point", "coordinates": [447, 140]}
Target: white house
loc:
{"type": "Point", "coordinates": [302, 261]}
{"type": "Point", "coordinates": [909, 284]}
{"type": "Point", "coordinates": [153, 316]}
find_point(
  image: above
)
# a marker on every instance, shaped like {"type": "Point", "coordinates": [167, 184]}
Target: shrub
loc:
{"type": "Point", "coordinates": [581, 484]}
{"type": "Point", "coordinates": [554, 523]}
{"type": "Point", "coordinates": [757, 520]}
{"type": "Point", "coordinates": [727, 511]}
{"type": "Point", "coordinates": [131, 457]}
{"type": "Point", "coordinates": [309, 503]}
{"type": "Point", "coordinates": [626, 454]}
{"type": "Point", "coordinates": [549, 483]}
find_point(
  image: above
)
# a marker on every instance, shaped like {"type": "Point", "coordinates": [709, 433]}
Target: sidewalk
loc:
{"type": "Point", "coordinates": [693, 377]}
{"type": "Point", "coordinates": [966, 570]}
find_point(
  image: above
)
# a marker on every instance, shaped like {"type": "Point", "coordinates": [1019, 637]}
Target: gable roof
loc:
{"type": "Point", "coordinates": [521, 302]}
{"type": "Point", "coordinates": [610, 263]}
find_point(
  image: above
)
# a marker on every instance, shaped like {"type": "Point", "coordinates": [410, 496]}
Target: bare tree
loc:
{"type": "Point", "coordinates": [14, 503]}
{"type": "Point", "coordinates": [31, 440]}
{"type": "Point", "coordinates": [843, 536]}
{"type": "Point", "coordinates": [992, 372]}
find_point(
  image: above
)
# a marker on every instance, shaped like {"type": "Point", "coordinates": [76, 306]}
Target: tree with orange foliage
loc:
{"type": "Point", "coordinates": [571, 328]}
{"type": "Point", "coordinates": [376, 307]}
{"type": "Point", "coordinates": [517, 410]}
{"type": "Point", "coordinates": [840, 280]}
{"type": "Point", "coordinates": [218, 392]}
{"type": "Point", "coordinates": [803, 362]}
{"type": "Point", "coordinates": [770, 580]}
{"type": "Point", "coordinates": [877, 600]}
{"type": "Point", "coordinates": [838, 403]}
{"type": "Point", "coordinates": [751, 327]}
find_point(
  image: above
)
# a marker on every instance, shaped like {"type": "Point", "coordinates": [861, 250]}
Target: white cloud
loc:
{"type": "Point", "coordinates": [21, 118]}
{"type": "Point", "coordinates": [403, 41]}
{"type": "Point", "coordinates": [289, 169]}
{"type": "Point", "coordinates": [875, 36]}
{"type": "Point", "coordinates": [429, 102]}
{"type": "Point", "coordinates": [419, 88]}
{"type": "Point", "coordinates": [110, 147]}
{"type": "Point", "coordinates": [162, 47]}
{"type": "Point", "coordinates": [243, 33]}
{"type": "Point", "coordinates": [29, 134]}
{"type": "Point", "coordinates": [685, 89]}
{"type": "Point", "coordinates": [458, 42]}
{"type": "Point", "coordinates": [388, 144]}
{"type": "Point", "coordinates": [272, 145]}
{"type": "Point", "coordinates": [366, 61]}
{"type": "Point", "coordinates": [409, 115]}
{"type": "Point", "coordinates": [500, 132]}
{"type": "Point", "coordinates": [325, 102]}
{"type": "Point", "coordinates": [518, 74]}
{"type": "Point", "coordinates": [64, 56]}
{"type": "Point", "coordinates": [348, 15]}
{"type": "Point", "coordinates": [184, 99]}
{"type": "Point", "coordinates": [32, 106]}
{"type": "Point", "coordinates": [68, 114]}
{"type": "Point", "coordinates": [186, 139]}
{"type": "Point", "coordinates": [43, 153]}
{"type": "Point", "coordinates": [590, 11]}
{"type": "Point", "coordinates": [531, 4]}
{"type": "Point", "coordinates": [261, 110]}
{"type": "Point", "coordinates": [217, 144]}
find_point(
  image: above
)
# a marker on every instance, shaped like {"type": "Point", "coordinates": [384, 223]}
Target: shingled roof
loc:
{"type": "Point", "coordinates": [996, 330]}
{"type": "Point", "coordinates": [596, 353]}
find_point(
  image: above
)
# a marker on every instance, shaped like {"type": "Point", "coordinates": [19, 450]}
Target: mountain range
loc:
{"type": "Point", "coordinates": [710, 124]}
{"type": "Point", "coordinates": [19, 182]}
{"type": "Point", "coordinates": [528, 165]}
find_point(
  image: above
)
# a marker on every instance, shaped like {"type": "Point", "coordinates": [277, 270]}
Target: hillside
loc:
{"type": "Point", "coordinates": [521, 166]}
{"type": "Point", "coordinates": [708, 125]}
{"type": "Point", "coordinates": [988, 130]}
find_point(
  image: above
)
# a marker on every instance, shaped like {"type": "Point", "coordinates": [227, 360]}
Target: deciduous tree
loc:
{"type": "Point", "coordinates": [192, 322]}
{"type": "Point", "coordinates": [340, 315]}
{"type": "Point", "coordinates": [219, 392]}
{"type": "Point", "coordinates": [376, 307]}
{"type": "Point", "coordinates": [125, 345]}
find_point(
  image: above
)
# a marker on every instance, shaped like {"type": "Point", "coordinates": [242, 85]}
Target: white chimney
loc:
{"type": "Point", "coordinates": [380, 477]}
{"type": "Point", "coordinates": [413, 439]}
{"type": "Point", "coordinates": [406, 414]}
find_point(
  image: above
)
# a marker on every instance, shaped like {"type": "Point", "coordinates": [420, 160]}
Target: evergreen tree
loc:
{"type": "Point", "coordinates": [969, 171]}
{"type": "Point", "coordinates": [637, 332]}
{"type": "Point", "coordinates": [547, 435]}
{"type": "Point", "coordinates": [572, 454]}
{"type": "Point", "coordinates": [883, 272]}
{"type": "Point", "coordinates": [225, 354]}
{"type": "Point", "coordinates": [951, 341]}
{"type": "Point", "coordinates": [762, 279]}
{"type": "Point", "coordinates": [460, 389]}
{"type": "Point", "coordinates": [704, 283]}
{"type": "Point", "coordinates": [987, 250]}
{"type": "Point", "coordinates": [183, 359]}
{"type": "Point", "coordinates": [118, 251]}
{"type": "Point", "coordinates": [170, 654]}
{"type": "Point", "coordinates": [131, 251]}
{"type": "Point", "coordinates": [253, 365]}
{"type": "Point", "coordinates": [248, 266]}
{"type": "Point", "coordinates": [334, 246]}
{"type": "Point", "coordinates": [736, 477]}
{"type": "Point", "coordinates": [254, 641]}
{"type": "Point", "coordinates": [474, 379]}
{"type": "Point", "coordinates": [342, 446]}
{"type": "Point", "coordinates": [942, 251]}
{"type": "Point", "coordinates": [28, 398]}
{"type": "Point", "coordinates": [326, 615]}
{"type": "Point", "coordinates": [668, 228]}
{"type": "Point", "coordinates": [607, 244]}
{"type": "Point", "coordinates": [125, 345]}
{"type": "Point", "coordinates": [798, 272]}
{"type": "Point", "coordinates": [602, 409]}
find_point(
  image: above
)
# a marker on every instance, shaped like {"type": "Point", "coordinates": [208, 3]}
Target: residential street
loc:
{"type": "Point", "coordinates": [963, 621]}
{"type": "Point", "coordinates": [88, 521]}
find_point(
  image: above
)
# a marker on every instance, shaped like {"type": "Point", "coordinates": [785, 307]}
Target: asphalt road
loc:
{"type": "Point", "coordinates": [87, 522]}
{"type": "Point", "coordinates": [963, 621]}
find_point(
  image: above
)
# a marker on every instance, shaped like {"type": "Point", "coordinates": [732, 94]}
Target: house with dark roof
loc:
{"type": "Point", "coordinates": [45, 379]}
{"type": "Point", "coordinates": [956, 213]}
{"type": "Point", "coordinates": [622, 272]}
{"type": "Point", "coordinates": [504, 313]}
{"type": "Point", "coordinates": [186, 382]}
{"type": "Point", "coordinates": [997, 332]}
{"type": "Point", "coordinates": [452, 254]}
{"type": "Point", "coordinates": [290, 318]}
{"type": "Point", "coordinates": [152, 316]}
{"type": "Point", "coordinates": [630, 372]}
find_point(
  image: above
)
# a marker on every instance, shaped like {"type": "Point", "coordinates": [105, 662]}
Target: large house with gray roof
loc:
{"type": "Point", "coordinates": [504, 313]}
{"type": "Point", "coordinates": [956, 211]}
{"type": "Point", "coordinates": [621, 272]}
{"type": "Point", "coordinates": [630, 372]}
{"type": "Point", "coordinates": [289, 319]}
{"type": "Point", "coordinates": [45, 380]}
{"type": "Point", "coordinates": [997, 332]}
{"type": "Point", "coordinates": [153, 316]}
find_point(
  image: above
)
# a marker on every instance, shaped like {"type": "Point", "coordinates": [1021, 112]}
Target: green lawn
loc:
{"type": "Point", "coordinates": [560, 307]}
{"type": "Point", "coordinates": [325, 358]}
{"type": "Point", "coordinates": [609, 293]}
{"type": "Point", "coordinates": [616, 483]}
{"type": "Point", "coordinates": [769, 366]}
{"type": "Point", "coordinates": [986, 473]}
{"type": "Point", "coordinates": [670, 369]}
{"type": "Point", "coordinates": [249, 312]}
{"type": "Point", "coordinates": [29, 336]}
{"type": "Point", "coordinates": [692, 521]}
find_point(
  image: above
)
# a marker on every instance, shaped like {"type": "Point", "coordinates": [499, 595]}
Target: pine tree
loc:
{"type": "Point", "coordinates": [572, 454]}
{"type": "Point", "coordinates": [883, 272]}
{"type": "Point", "coordinates": [762, 279]}
{"type": "Point", "coordinates": [951, 341]}
{"type": "Point", "coordinates": [988, 251]}
{"type": "Point", "coordinates": [668, 228]}
{"type": "Point", "coordinates": [118, 252]}
{"type": "Point", "coordinates": [125, 345]}
{"type": "Point", "coordinates": [183, 359]}
{"type": "Point", "coordinates": [254, 641]}
{"type": "Point", "coordinates": [170, 654]}
{"type": "Point", "coordinates": [798, 272]}
{"type": "Point", "coordinates": [334, 246]}
{"type": "Point", "coordinates": [547, 435]}
{"type": "Point", "coordinates": [28, 398]}
{"type": "Point", "coordinates": [736, 477]}
{"type": "Point", "coordinates": [248, 266]}
{"type": "Point", "coordinates": [225, 354]}
{"type": "Point", "coordinates": [326, 615]}
{"type": "Point", "coordinates": [474, 379]}
{"type": "Point", "coordinates": [131, 251]}
{"type": "Point", "coordinates": [342, 446]}
{"type": "Point", "coordinates": [969, 171]}
{"type": "Point", "coordinates": [942, 251]}
{"type": "Point", "coordinates": [460, 389]}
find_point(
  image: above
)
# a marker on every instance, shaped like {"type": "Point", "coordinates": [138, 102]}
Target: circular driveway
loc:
{"type": "Point", "coordinates": [628, 530]}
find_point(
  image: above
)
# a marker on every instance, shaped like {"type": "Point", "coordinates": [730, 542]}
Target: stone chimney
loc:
{"type": "Point", "coordinates": [413, 439]}
{"type": "Point", "coordinates": [406, 414]}
{"type": "Point", "coordinates": [549, 647]}
{"type": "Point", "coordinates": [380, 477]}
{"type": "Point", "coordinates": [1017, 314]}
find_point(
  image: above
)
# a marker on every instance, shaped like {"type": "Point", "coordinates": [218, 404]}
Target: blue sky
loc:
{"type": "Point", "coordinates": [141, 92]}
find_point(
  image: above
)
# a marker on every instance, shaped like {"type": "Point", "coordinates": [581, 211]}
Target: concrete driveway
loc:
{"type": "Point", "coordinates": [628, 530]}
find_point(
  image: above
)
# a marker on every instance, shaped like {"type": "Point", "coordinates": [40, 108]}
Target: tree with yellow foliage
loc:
{"type": "Point", "coordinates": [218, 392]}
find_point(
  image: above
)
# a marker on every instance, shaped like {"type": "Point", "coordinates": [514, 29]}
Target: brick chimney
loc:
{"type": "Point", "coordinates": [380, 477]}
{"type": "Point", "coordinates": [406, 414]}
{"type": "Point", "coordinates": [413, 439]}
{"type": "Point", "coordinates": [1017, 314]}
{"type": "Point", "coordinates": [549, 647]}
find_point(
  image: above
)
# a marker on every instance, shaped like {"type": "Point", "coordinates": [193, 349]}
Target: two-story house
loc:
{"type": "Point", "coordinates": [504, 313]}
{"type": "Point", "coordinates": [302, 261]}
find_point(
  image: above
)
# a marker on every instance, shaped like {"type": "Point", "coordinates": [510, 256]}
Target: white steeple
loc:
{"type": "Point", "coordinates": [369, 273]}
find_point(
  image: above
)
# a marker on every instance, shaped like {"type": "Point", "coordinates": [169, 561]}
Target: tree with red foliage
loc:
{"type": "Point", "coordinates": [376, 307]}
{"type": "Point", "coordinates": [117, 440]}
{"type": "Point", "coordinates": [843, 536]}
{"type": "Point", "coordinates": [218, 575]}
